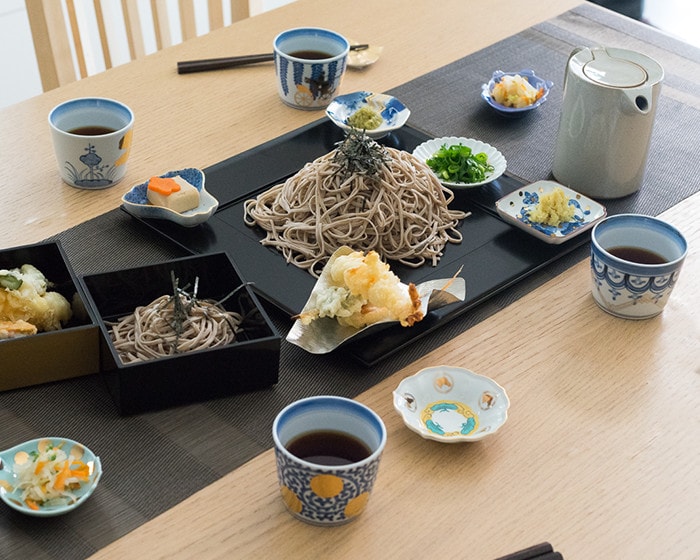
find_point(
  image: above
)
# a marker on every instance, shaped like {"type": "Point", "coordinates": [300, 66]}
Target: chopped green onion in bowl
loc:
{"type": "Point", "coordinates": [458, 164]}
{"type": "Point", "coordinates": [461, 163]}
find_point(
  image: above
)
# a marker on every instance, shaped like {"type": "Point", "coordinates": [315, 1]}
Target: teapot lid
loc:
{"type": "Point", "coordinates": [614, 71]}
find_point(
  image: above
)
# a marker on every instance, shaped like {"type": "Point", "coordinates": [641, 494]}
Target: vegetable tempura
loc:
{"type": "Point", "coordinates": [24, 298]}
{"type": "Point", "coordinates": [360, 290]}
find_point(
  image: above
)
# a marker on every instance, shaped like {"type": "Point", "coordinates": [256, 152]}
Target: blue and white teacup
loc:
{"type": "Point", "coordinates": [635, 263]}
{"type": "Point", "coordinates": [92, 141]}
{"type": "Point", "coordinates": [309, 66]}
{"type": "Point", "coordinates": [327, 450]}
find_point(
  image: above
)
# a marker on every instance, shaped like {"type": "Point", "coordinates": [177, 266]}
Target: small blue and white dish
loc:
{"type": "Point", "coordinates": [515, 208]}
{"type": "Point", "coordinates": [135, 202]}
{"type": "Point", "coordinates": [394, 113]}
{"type": "Point", "coordinates": [451, 404]}
{"type": "Point", "coordinates": [12, 496]}
{"type": "Point", "coordinates": [534, 80]}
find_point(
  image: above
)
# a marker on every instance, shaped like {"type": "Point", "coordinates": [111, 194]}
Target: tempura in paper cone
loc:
{"type": "Point", "coordinates": [356, 291]}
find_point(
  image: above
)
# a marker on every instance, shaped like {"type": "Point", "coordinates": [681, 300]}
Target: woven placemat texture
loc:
{"type": "Point", "coordinates": [153, 461]}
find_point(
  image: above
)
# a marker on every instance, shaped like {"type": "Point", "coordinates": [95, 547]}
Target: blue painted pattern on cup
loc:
{"type": "Point", "coordinates": [327, 494]}
{"type": "Point", "coordinates": [626, 288]}
{"type": "Point", "coordinates": [304, 82]}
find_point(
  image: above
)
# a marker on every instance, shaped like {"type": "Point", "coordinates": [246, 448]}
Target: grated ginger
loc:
{"type": "Point", "coordinates": [553, 209]}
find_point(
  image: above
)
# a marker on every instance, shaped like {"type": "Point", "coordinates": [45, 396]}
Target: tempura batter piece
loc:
{"type": "Point", "coordinates": [361, 290]}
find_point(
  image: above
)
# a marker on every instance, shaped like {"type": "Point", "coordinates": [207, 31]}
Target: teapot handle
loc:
{"type": "Point", "coordinates": [568, 61]}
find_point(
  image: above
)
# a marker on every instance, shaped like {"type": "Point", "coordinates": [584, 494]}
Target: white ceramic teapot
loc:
{"type": "Point", "coordinates": [610, 98]}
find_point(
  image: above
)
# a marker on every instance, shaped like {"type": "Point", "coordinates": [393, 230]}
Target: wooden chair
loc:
{"type": "Point", "coordinates": [59, 44]}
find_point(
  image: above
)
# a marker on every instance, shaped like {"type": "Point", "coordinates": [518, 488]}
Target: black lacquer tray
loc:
{"type": "Point", "coordinates": [494, 254]}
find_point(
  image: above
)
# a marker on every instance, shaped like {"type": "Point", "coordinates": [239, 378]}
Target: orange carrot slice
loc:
{"type": "Point", "coordinates": [60, 482]}
{"type": "Point", "coordinates": [162, 185]}
{"type": "Point", "coordinates": [82, 472]}
{"type": "Point", "coordinates": [31, 504]}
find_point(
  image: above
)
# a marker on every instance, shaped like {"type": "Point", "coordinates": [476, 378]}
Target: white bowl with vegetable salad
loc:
{"type": "Point", "coordinates": [461, 162]}
{"type": "Point", "coordinates": [377, 114]}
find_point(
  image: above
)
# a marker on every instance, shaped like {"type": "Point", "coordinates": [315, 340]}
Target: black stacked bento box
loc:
{"type": "Point", "coordinates": [53, 355]}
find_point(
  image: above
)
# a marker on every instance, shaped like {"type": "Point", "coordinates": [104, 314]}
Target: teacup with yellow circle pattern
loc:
{"type": "Point", "coordinates": [319, 483]}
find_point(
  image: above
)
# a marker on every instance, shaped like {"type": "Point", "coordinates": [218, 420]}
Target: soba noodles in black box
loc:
{"type": "Point", "coordinates": [185, 330]}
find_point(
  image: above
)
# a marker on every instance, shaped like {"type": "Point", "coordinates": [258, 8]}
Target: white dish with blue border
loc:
{"type": "Point", "coordinates": [135, 202]}
{"type": "Point", "coordinates": [394, 113]}
{"type": "Point", "coordinates": [515, 207]}
{"type": "Point", "coordinates": [534, 80]}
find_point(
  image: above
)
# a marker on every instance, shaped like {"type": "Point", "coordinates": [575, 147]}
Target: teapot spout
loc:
{"type": "Point", "coordinates": [638, 101]}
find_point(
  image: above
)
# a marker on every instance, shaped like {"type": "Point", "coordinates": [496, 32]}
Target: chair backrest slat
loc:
{"type": "Point", "coordinates": [240, 9]}
{"type": "Point", "coordinates": [132, 20]}
{"type": "Point", "coordinates": [43, 45]}
{"type": "Point", "coordinates": [60, 44]}
{"type": "Point", "coordinates": [215, 8]}
{"type": "Point", "coordinates": [102, 30]}
{"type": "Point", "coordinates": [188, 25]}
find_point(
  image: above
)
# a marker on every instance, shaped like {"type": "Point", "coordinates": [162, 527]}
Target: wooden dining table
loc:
{"type": "Point", "coordinates": [600, 454]}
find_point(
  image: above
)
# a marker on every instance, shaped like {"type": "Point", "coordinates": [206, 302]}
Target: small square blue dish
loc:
{"type": "Point", "coordinates": [515, 207]}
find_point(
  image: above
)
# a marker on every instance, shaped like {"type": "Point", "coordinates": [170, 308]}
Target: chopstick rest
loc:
{"type": "Point", "coordinates": [542, 551]}
{"type": "Point", "coordinates": [206, 64]}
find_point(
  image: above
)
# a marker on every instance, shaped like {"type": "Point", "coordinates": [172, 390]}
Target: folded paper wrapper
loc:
{"type": "Point", "coordinates": [325, 334]}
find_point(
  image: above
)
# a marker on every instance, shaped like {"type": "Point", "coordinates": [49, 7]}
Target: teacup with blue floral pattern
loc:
{"type": "Point", "coordinates": [320, 492]}
{"type": "Point", "coordinates": [635, 263]}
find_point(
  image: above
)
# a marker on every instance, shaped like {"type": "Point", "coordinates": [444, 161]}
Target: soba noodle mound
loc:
{"type": "Point", "coordinates": [362, 195]}
{"type": "Point", "coordinates": [171, 325]}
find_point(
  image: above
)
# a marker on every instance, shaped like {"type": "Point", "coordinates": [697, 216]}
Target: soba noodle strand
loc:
{"type": "Point", "coordinates": [402, 213]}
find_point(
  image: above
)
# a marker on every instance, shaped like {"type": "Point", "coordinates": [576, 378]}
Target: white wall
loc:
{"type": "Point", "coordinates": [18, 67]}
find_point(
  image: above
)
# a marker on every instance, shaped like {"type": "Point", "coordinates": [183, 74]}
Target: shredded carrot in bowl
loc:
{"type": "Point", "coordinates": [51, 476]}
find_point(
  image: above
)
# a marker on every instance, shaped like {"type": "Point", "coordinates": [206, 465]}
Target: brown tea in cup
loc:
{"type": "Point", "coordinates": [329, 447]}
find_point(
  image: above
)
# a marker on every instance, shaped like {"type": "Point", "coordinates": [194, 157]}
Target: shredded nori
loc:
{"type": "Point", "coordinates": [358, 154]}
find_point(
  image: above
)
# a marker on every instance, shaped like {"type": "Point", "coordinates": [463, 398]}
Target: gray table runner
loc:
{"type": "Point", "coordinates": [153, 461]}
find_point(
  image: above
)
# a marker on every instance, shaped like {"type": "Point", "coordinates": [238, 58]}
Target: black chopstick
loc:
{"type": "Point", "coordinates": [189, 66]}
{"type": "Point", "coordinates": [206, 64]}
{"type": "Point", "coordinates": [542, 551]}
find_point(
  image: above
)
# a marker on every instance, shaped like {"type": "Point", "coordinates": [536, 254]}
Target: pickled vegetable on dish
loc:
{"type": "Point", "coordinates": [515, 91]}
{"type": "Point", "coordinates": [50, 475]}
